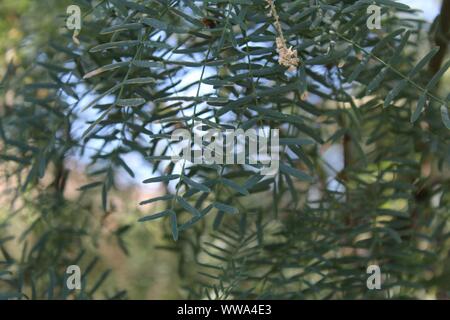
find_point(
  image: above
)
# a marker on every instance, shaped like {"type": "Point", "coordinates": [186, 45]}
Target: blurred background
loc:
{"type": "Point", "coordinates": [142, 257]}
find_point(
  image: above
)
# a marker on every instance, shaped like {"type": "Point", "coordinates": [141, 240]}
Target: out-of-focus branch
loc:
{"type": "Point", "coordinates": [442, 36]}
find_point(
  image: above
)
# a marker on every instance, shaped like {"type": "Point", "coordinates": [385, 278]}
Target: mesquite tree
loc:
{"type": "Point", "coordinates": [362, 113]}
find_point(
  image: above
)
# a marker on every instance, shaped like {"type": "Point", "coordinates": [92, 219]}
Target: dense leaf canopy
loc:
{"type": "Point", "coordinates": [138, 70]}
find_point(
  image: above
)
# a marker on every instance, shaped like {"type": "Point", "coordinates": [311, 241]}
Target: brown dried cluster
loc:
{"type": "Point", "coordinates": [288, 56]}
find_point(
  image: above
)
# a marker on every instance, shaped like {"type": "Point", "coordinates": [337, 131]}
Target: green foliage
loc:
{"type": "Point", "coordinates": [146, 68]}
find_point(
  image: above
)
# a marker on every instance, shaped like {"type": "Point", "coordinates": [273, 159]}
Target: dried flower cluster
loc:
{"type": "Point", "coordinates": [288, 57]}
